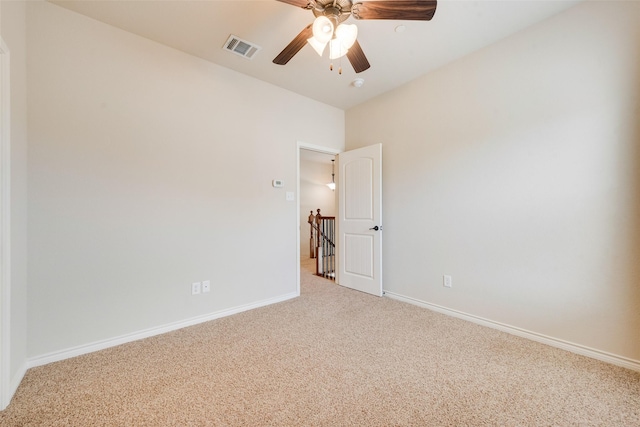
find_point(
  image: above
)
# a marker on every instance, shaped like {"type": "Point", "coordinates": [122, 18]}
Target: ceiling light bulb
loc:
{"type": "Point", "coordinates": [322, 29]}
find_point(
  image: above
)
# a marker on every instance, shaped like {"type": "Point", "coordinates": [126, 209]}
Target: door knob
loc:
{"type": "Point", "coordinates": [376, 228]}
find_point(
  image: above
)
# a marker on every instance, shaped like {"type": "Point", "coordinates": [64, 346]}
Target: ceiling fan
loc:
{"type": "Point", "coordinates": [327, 28]}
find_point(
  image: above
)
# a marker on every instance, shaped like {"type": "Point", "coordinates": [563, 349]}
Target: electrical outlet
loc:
{"type": "Point", "coordinates": [447, 281]}
{"type": "Point", "coordinates": [195, 288]}
{"type": "Point", "coordinates": [206, 286]}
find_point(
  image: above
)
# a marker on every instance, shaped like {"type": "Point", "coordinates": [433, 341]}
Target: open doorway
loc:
{"type": "Point", "coordinates": [358, 246]}
{"type": "Point", "coordinates": [314, 173]}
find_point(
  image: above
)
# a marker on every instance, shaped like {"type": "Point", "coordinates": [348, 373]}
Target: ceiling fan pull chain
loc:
{"type": "Point", "coordinates": [330, 55]}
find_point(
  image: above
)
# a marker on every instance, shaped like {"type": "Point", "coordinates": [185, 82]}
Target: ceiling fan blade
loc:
{"type": "Point", "coordinates": [294, 47]}
{"type": "Point", "coordinates": [357, 58]}
{"type": "Point", "coordinates": [305, 4]}
{"type": "Point", "coordinates": [416, 10]}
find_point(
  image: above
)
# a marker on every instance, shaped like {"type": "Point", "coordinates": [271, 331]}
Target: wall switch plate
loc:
{"type": "Point", "coordinates": [206, 286]}
{"type": "Point", "coordinates": [290, 196]}
{"type": "Point", "coordinates": [447, 281]}
{"type": "Point", "coordinates": [195, 288]}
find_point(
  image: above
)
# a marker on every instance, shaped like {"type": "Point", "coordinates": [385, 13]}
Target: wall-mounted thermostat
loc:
{"type": "Point", "coordinates": [277, 183]}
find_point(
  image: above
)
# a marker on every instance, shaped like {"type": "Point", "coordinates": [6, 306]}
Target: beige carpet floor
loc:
{"type": "Point", "coordinates": [333, 357]}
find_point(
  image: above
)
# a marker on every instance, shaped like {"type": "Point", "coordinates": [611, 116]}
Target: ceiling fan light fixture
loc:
{"type": "Point", "coordinates": [347, 33]}
{"type": "Point", "coordinates": [337, 49]}
{"type": "Point", "coordinates": [344, 38]}
{"type": "Point", "coordinates": [316, 45]}
{"type": "Point", "coordinates": [322, 29]}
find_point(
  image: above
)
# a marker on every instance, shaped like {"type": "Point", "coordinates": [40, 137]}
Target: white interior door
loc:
{"type": "Point", "coordinates": [359, 249]}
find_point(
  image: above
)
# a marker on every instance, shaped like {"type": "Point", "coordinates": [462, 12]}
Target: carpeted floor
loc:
{"type": "Point", "coordinates": [333, 357]}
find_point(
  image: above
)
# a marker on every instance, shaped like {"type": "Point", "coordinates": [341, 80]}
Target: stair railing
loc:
{"type": "Point", "coordinates": [322, 244]}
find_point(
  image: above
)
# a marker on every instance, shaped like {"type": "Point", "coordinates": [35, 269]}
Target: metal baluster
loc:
{"type": "Point", "coordinates": [333, 249]}
{"type": "Point", "coordinates": [330, 260]}
{"type": "Point", "coordinates": [328, 226]}
{"type": "Point", "coordinates": [326, 246]}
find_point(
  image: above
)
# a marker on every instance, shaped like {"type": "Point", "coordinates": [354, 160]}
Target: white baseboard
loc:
{"type": "Point", "coordinates": [17, 379]}
{"type": "Point", "coordinates": [533, 336]}
{"type": "Point", "coordinates": [14, 383]}
{"type": "Point", "coordinates": [123, 339]}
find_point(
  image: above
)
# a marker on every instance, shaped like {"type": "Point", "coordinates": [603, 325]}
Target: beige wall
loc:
{"type": "Point", "coordinates": [150, 169]}
{"type": "Point", "coordinates": [13, 24]}
{"type": "Point", "coordinates": [517, 171]}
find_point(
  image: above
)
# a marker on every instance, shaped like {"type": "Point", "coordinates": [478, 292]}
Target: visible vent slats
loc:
{"type": "Point", "coordinates": [241, 47]}
{"type": "Point", "coordinates": [232, 43]}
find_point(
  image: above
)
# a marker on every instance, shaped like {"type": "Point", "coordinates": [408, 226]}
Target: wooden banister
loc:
{"type": "Point", "coordinates": [321, 243]}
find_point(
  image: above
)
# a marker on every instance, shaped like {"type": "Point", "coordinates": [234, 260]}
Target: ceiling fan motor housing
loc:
{"type": "Point", "coordinates": [336, 10]}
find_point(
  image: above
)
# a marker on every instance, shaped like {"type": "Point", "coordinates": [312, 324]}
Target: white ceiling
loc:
{"type": "Point", "coordinates": [316, 157]}
{"type": "Point", "coordinates": [201, 28]}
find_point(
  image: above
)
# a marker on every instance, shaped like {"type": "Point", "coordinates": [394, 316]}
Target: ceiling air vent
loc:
{"type": "Point", "coordinates": [241, 47]}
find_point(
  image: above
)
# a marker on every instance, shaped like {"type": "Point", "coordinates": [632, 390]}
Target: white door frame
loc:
{"type": "Point", "coordinates": [5, 236]}
{"type": "Point", "coordinates": [320, 149]}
